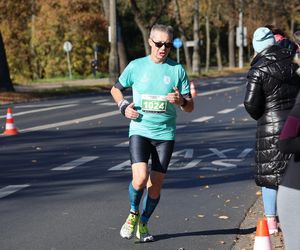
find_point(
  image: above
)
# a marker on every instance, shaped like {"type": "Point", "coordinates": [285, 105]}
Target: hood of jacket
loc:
{"type": "Point", "coordinates": [274, 58]}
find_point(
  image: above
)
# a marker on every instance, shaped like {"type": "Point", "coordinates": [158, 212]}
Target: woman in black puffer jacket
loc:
{"type": "Point", "coordinates": [272, 86]}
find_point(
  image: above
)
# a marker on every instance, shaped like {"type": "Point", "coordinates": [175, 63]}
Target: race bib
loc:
{"type": "Point", "coordinates": [154, 103]}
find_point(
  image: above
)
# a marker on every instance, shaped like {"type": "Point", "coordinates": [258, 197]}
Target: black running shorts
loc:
{"type": "Point", "coordinates": [160, 150]}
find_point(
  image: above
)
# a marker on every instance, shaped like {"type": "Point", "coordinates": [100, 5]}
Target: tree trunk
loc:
{"type": "Point", "coordinates": [145, 25]}
{"type": "Point", "coordinates": [145, 34]}
{"type": "Point", "coordinates": [123, 61]}
{"type": "Point", "coordinates": [5, 81]}
{"type": "Point", "coordinates": [218, 51]}
{"type": "Point", "coordinates": [196, 53]}
{"type": "Point", "coordinates": [113, 55]}
{"type": "Point", "coordinates": [207, 42]}
{"type": "Point", "coordinates": [217, 41]}
{"type": "Point", "coordinates": [183, 37]}
{"type": "Point", "coordinates": [231, 43]}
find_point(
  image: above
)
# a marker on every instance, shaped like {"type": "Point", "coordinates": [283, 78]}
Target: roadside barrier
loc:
{"type": "Point", "coordinates": [262, 238]}
{"type": "Point", "coordinates": [10, 128]}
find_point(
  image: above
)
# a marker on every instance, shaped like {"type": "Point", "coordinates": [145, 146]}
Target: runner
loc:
{"type": "Point", "coordinates": [158, 84]}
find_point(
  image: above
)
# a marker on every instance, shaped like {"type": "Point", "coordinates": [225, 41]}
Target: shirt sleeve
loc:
{"type": "Point", "coordinates": [184, 86]}
{"type": "Point", "coordinates": [126, 78]}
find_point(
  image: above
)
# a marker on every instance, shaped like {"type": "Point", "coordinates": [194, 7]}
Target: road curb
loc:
{"type": "Point", "coordinates": [245, 240]}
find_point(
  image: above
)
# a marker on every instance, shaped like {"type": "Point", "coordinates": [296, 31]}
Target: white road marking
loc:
{"type": "Point", "coordinates": [40, 105]}
{"type": "Point", "coordinates": [121, 166]}
{"type": "Point", "coordinates": [219, 153]}
{"type": "Point", "coordinates": [203, 119]}
{"type": "Point", "coordinates": [100, 101]}
{"type": "Point", "coordinates": [217, 91]}
{"type": "Point", "coordinates": [8, 190]}
{"type": "Point", "coordinates": [225, 111]}
{"type": "Point", "coordinates": [191, 164]}
{"type": "Point", "coordinates": [180, 126]}
{"type": "Point", "coordinates": [245, 152]}
{"type": "Point", "coordinates": [241, 105]}
{"type": "Point", "coordinates": [41, 110]}
{"type": "Point", "coordinates": [74, 121]}
{"type": "Point", "coordinates": [108, 104]}
{"type": "Point", "coordinates": [75, 163]}
{"type": "Point", "coordinates": [186, 153]}
{"type": "Point", "coordinates": [123, 144]}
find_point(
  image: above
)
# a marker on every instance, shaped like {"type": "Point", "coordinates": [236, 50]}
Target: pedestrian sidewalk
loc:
{"type": "Point", "coordinates": [70, 83]}
{"type": "Point", "coordinates": [245, 240]}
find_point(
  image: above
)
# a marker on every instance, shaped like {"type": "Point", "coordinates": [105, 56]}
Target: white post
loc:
{"type": "Point", "coordinates": [241, 47]}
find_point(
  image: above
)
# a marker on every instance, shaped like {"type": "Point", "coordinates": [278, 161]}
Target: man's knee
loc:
{"type": "Point", "coordinates": [140, 175]}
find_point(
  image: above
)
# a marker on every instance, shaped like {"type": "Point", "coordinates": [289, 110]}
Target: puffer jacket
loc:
{"type": "Point", "coordinates": [272, 87]}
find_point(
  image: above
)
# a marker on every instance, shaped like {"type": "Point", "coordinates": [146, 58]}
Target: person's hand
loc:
{"type": "Point", "coordinates": [175, 97]}
{"type": "Point", "coordinates": [130, 112]}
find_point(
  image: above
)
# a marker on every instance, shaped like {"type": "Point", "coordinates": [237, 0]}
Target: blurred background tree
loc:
{"type": "Point", "coordinates": [34, 32]}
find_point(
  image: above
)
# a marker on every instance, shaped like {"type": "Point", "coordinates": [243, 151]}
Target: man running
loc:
{"type": "Point", "coordinates": [159, 85]}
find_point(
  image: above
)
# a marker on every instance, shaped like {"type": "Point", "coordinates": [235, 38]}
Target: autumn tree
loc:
{"type": "Point", "coordinates": [146, 14]}
{"type": "Point", "coordinates": [85, 29]}
{"type": "Point", "coordinates": [182, 20]}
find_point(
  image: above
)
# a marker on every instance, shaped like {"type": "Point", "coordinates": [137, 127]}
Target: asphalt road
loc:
{"type": "Point", "coordinates": [64, 178]}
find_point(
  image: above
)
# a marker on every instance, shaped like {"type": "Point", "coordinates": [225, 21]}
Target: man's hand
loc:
{"type": "Point", "coordinates": [175, 97]}
{"type": "Point", "coordinates": [130, 112]}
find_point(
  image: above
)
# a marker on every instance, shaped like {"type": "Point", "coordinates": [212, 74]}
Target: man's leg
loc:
{"type": "Point", "coordinates": [136, 188]}
{"type": "Point", "coordinates": [150, 202]}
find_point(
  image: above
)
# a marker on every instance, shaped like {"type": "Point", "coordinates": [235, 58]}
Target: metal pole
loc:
{"type": "Point", "coordinates": [69, 65]}
{"type": "Point", "coordinates": [177, 52]}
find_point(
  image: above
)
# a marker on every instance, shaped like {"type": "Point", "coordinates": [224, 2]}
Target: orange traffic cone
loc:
{"type": "Point", "coordinates": [193, 89]}
{"type": "Point", "coordinates": [10, 128]}
{"type": "Point", "coordinates": [262, 237]}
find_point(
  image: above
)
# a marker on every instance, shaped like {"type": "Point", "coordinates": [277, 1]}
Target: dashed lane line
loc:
{"type": "Point", "coordinates": [41, 110]}
{"type": "Point", "coordinates": [212, 92]}
{"type": "Point", "coordinates": [100, 101]}
{"type": "Point", "coordinates": [74, 121]}
{"type": "Point", "coordinates": [225, 111]}
{"type": "Point", "coordinates": [8, 190]}
{"type": "Point", "coordinates": [73, 164]}
{"type": "Point", "coordinates": [203, 119]}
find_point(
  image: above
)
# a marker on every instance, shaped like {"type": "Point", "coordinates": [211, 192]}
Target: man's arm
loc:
{"type": "Point", "coordinates": [126, 108]}
{"type": "Point", "coordinates": [185, 102]}
{"type": "Point", "coordinates": [117, 94]}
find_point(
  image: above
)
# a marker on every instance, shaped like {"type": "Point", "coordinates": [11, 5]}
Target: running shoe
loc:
{"type": "Point", "coordinates": [272, 225]}
{"type": "Point", "coordinates": [142, 233]}
{"type": "Point", "coordinates": [127, 230]}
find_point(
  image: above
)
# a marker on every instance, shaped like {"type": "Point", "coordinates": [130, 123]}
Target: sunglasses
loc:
{"type": "Point", "coordinates": [160, 44]}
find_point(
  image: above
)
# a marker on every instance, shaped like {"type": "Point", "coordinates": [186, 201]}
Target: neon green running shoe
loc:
{"type": "Point", "coordinates": [142, 233]}
{"type": "Point", "coordinates": [127, 230]}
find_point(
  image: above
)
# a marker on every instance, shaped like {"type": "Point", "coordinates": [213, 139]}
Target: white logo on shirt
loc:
{"type": "Point", "coordinates": [145, 78]}
{"type": "Point", "coordinates": [167, 79]}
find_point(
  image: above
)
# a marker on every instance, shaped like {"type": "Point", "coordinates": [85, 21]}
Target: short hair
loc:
{"type": "Point", "coordinates": [163, 28]}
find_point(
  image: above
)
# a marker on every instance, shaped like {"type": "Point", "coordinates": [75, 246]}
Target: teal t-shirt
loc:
{"type": "Point", "coordinates": [151, 82]}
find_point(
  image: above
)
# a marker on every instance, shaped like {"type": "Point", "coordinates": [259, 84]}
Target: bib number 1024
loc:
{"type": "Point", "coordinates": [155, 104]}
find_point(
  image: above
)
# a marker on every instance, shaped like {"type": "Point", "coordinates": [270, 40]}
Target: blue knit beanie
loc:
{"type": "Point", "coordinates": [262, 38]}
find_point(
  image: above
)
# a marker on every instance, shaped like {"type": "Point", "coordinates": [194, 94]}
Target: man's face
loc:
{"type": "Point", "coordinates": [160, 43]}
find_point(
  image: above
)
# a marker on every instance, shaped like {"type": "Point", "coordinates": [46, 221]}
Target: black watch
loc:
{"type": "Point", "coordinates": [184, 102]}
